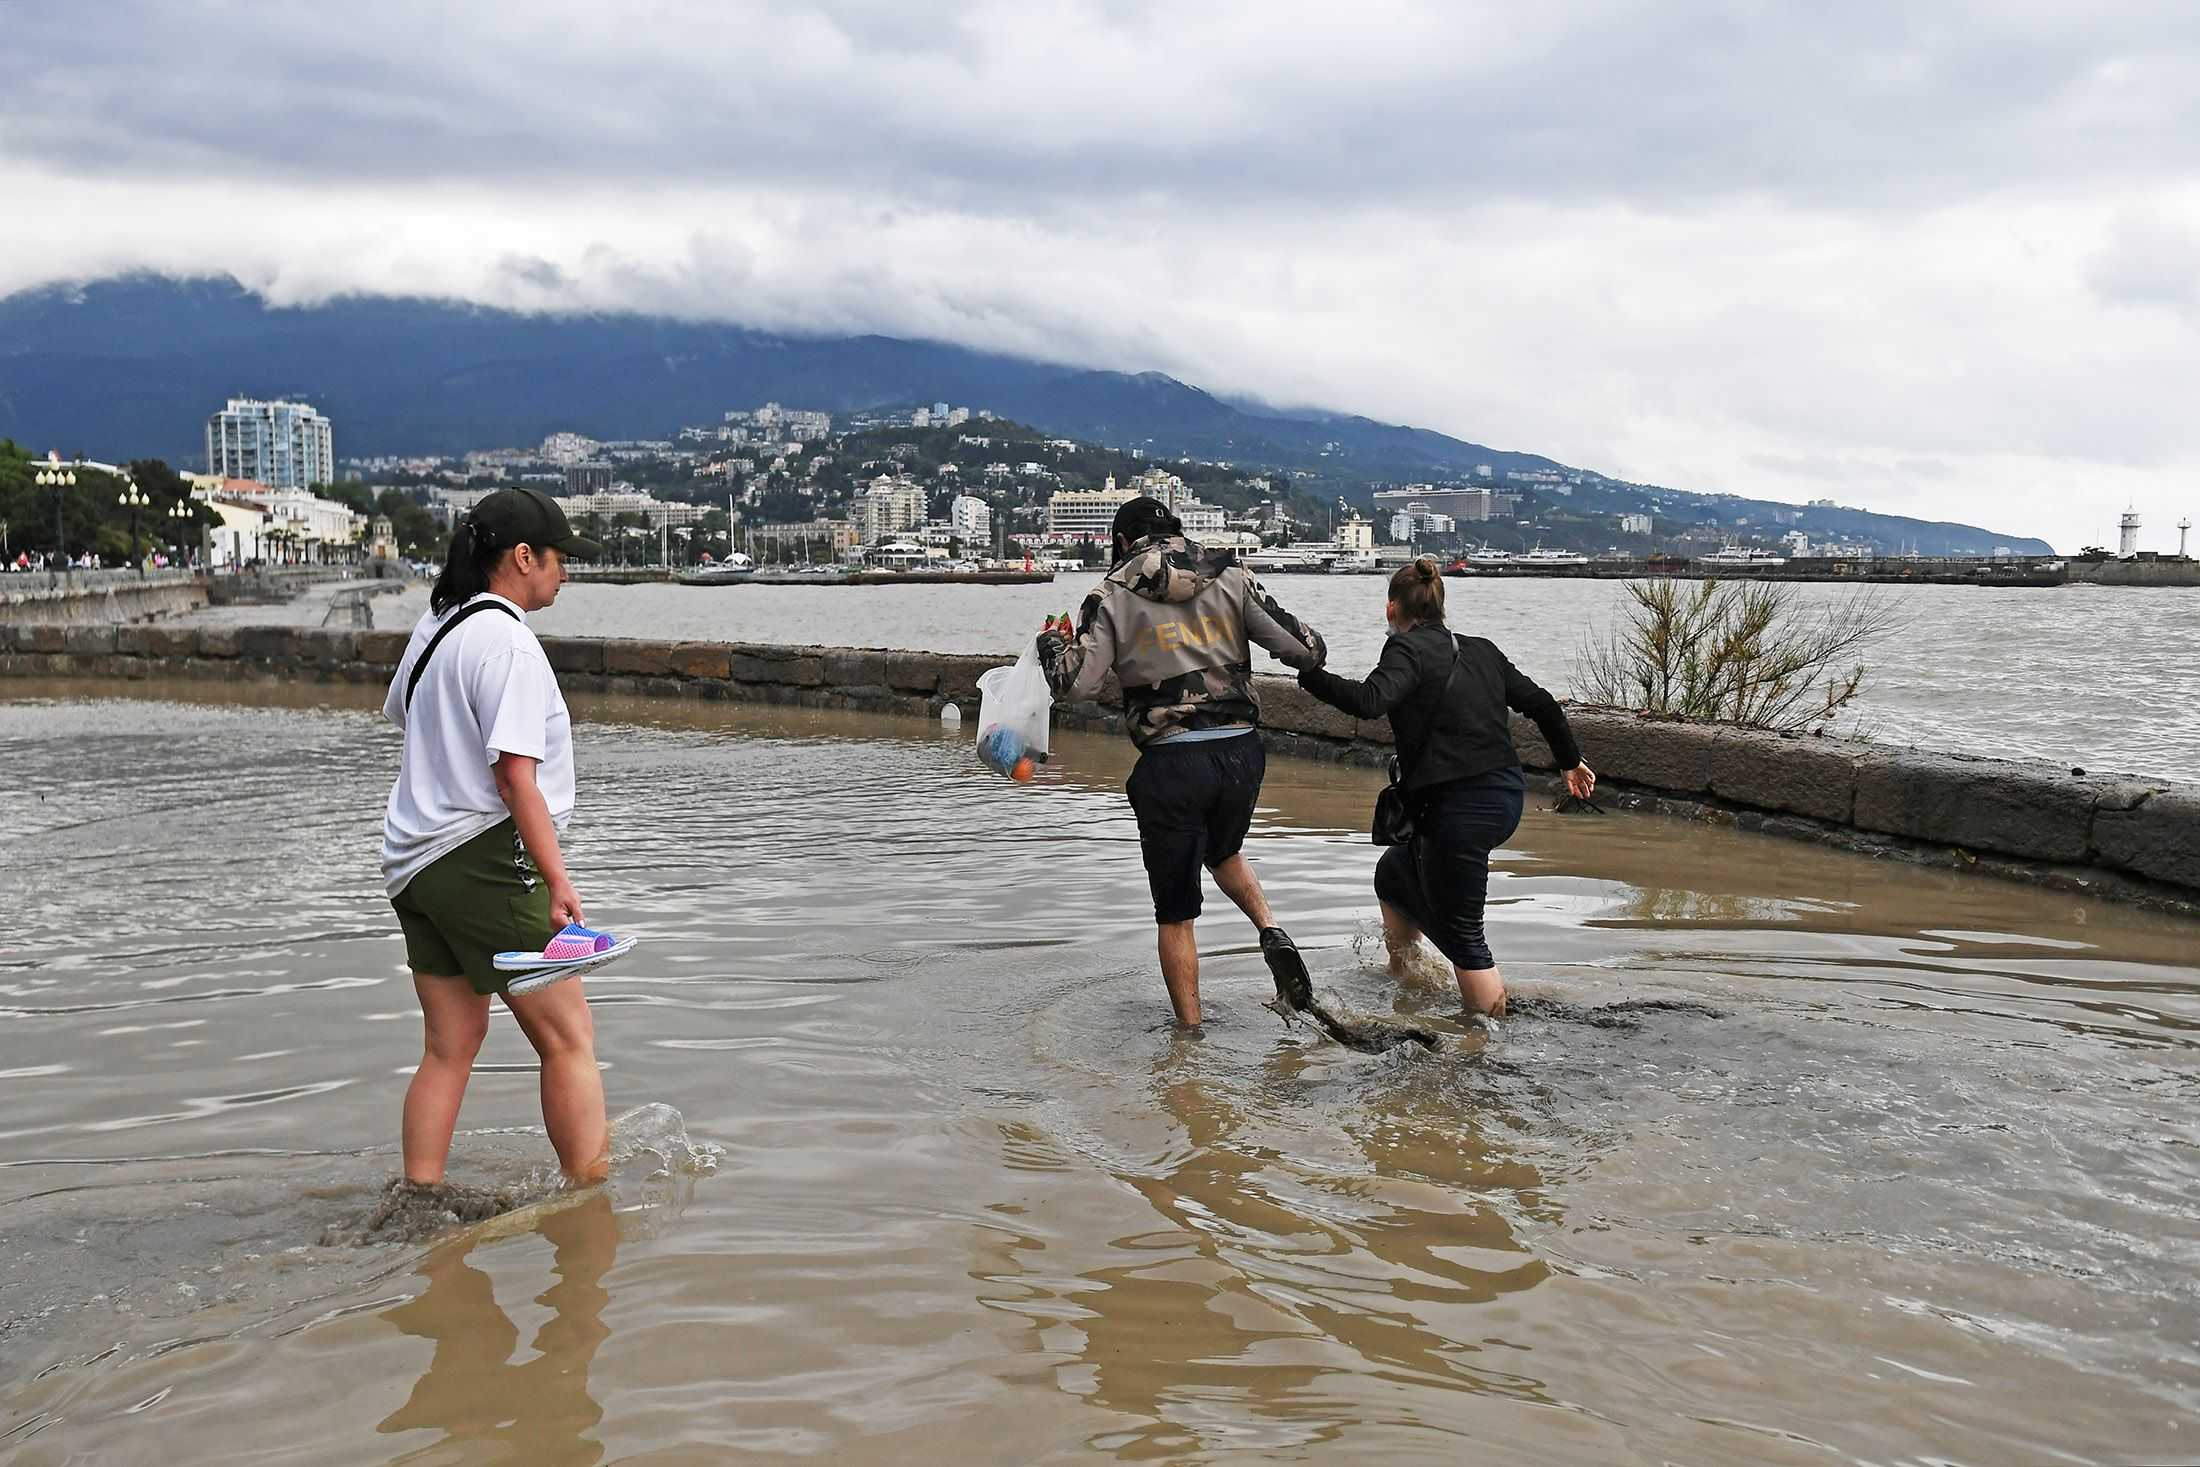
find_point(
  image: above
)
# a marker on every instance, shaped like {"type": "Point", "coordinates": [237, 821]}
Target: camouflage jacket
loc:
{"type": "Point", "coordinates": [1173, 622]}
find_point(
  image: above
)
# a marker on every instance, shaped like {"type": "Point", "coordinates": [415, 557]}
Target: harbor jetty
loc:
{"type": "Point", "coordinates": [2121, 837]}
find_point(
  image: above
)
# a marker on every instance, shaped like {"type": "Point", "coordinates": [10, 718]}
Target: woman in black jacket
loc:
{"type": "Point", "coordinates": [1446, 698]}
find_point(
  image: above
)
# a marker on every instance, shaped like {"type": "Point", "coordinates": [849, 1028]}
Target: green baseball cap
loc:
{"type": "Point", "coordinates": [529, 517]}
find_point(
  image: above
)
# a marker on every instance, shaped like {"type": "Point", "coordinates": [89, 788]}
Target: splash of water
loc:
{"type": "Point", "coordinates": [649, 1146]}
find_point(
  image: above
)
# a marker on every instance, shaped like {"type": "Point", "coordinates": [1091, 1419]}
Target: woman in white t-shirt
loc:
{"type": "Point", "coordinates": [470, 842]}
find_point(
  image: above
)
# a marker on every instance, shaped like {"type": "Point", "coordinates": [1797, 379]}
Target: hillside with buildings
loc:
{"type": "Point", "coordinates": [656, 425]}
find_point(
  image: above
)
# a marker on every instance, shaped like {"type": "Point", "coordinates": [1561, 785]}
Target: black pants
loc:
{"type": "Point", "coordinates": [1194, 803]}
{"type": "Point", "coordinates": [1440, 880]}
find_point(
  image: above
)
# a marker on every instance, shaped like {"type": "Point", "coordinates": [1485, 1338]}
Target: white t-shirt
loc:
{"type": "Point", "coordinates": [488, 690]}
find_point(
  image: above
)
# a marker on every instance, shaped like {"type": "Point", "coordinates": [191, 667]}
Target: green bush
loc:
{"type": "Point", "coordinates": [1753, 653]}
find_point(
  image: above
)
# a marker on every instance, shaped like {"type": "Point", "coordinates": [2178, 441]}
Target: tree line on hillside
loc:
{"type": "Point", "coordinates": [91, 517]}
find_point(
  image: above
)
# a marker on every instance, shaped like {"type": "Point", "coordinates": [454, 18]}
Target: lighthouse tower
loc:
{"type": "Point", "coordinates": [2184, 527]}
{"type": "Point", "coordinates": [2128, 527]}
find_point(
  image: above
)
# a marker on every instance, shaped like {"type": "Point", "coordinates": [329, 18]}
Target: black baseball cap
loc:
{"type": "Point", "coordinates": [529, 517]}
{"type": "Point", "coordinates": [1143, 516]}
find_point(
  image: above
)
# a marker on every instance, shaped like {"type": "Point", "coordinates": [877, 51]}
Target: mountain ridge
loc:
{"type": "Point", "coordinates": [133, 365]}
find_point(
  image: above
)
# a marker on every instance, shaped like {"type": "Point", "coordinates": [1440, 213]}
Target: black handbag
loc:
{"type": "Point", "coordinates": [1393, 823]}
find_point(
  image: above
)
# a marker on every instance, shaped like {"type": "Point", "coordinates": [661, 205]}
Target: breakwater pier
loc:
{"type": "Point", "coordinates": [2004, 572]}
{"type": "Point", "coordinates": [2123, 837]}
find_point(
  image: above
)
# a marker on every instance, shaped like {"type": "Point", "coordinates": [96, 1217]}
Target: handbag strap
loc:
{"type": "Point", "coordinates": [1443, 696]}
{"type": "Point", "coordinates": [445, 630]}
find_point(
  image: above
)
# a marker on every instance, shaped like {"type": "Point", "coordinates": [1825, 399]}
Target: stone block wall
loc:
{"type": "Point", "coordinates": [2125, 838]}
{"type": "Point", "coordinates": [99, 598]}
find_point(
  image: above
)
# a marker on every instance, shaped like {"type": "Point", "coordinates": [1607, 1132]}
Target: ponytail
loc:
{"type": "Point", "coordinates": [1418, 588]}
{"type": "Point", "coordinates": [473, 554]}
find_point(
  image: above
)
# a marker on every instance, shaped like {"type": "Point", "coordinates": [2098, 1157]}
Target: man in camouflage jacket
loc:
{"type": "Point", "coordinates": [1173, 621]}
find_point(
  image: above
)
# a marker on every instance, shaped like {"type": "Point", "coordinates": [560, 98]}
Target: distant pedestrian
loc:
{"type": "Point", "coordinates": [1172, 622]}
{"type": "Point", "coordinates": [1447, 698]}
{"type": "Point", "coordinates": [470, 851]}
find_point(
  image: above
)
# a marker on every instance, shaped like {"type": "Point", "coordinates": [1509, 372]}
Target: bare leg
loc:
{"type": "Point", "coordinates": [1180, 970]}
{"type": "Point", "coordinates": [454, 1020]}
{"type": "Point", "coordinates": [1235, 877]}
{"type": "Point", "coordinates": [1482, 990]}
{"type": "Point", "coordinates": [1399, 937]}
{"type": "Point", "coordinates": [557, 1022]}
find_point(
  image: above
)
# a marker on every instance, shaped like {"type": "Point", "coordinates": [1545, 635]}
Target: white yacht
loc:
{"type": "Point", "coordinates": [734, 569]}
{"type": "Point", "coordinates": [1730, 557]}
{"type": "Point", "coordinates": [1488, 557]}
{"type": "Point", "coordinates": [1541, 559]}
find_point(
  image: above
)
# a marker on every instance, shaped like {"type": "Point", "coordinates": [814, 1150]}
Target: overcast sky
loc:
{"type": "Point", "coordinates": [1936, 259]}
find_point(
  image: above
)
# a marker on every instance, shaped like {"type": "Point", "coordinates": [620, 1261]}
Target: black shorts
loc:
{"type": "Point", "coordinates": [1194, 803]}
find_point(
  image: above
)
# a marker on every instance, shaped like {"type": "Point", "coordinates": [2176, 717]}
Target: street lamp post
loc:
{"type": "Point", "coordinates": [133, 498]}
{"type": "Point", "coordinates": [59, 480]}
{"type": "Point", "coordinates": [181, 515]}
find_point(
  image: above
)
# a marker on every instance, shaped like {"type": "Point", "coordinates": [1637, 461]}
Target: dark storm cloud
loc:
{"type": "Point", "coordinates": [1840, 105]}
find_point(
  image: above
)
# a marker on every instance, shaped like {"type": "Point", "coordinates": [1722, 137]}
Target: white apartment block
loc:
{"type": "Point", "coordinates": [284, 445]}
{"type": "Point", "coordinates": [1202, 519]}
{"type": "Point", "coordinates": [971, 518]}
{"type": "Point", "coordinates": [889, 506]}
{"type": "Point", "coordinates": [1418, 519]}
{"type": "Point", "coordinates": [1634, 524]}
{"type": "Point", "coordinates": [658, 512]}
{"type": "Point", "coordinates": [567, 448]}
{"type": "Point", "coordinates": [1086, 513]}
{"type": "Point", "coordinates": [1162, 485]}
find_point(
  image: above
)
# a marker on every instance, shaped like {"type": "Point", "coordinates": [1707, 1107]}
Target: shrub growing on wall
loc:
{"type": "Point", "coordinates": [1753, 653]}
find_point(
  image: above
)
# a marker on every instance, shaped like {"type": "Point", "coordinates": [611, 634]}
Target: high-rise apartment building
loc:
{"type": "Point", "coordinates": [284, 445]}
{"type": "Point", "coordinates": [588, 476]}
{"type": "Point", "coordinates": [972, 521]}
{"type": "Point", "coordinates": [889, 506]}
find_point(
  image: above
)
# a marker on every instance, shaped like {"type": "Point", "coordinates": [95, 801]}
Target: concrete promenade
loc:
{"type": "Point", "coordinates": [2115, 836]}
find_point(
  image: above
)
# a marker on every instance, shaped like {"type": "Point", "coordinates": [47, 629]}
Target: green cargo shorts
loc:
{"type": "Point", "coordinates": [469, 905]}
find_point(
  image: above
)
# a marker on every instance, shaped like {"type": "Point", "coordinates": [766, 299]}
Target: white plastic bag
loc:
{"type": "Point", "coordinates": [1014, 709]}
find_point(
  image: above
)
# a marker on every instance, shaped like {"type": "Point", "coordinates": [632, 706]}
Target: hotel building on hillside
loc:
{"type": "Point", "coordinates": [1086, 514]}
{"type": "Point", "coordinates": [284, 445]}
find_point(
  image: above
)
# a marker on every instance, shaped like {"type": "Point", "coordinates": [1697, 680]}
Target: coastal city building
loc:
{"type": "Point", "coordinates": [588, 476]}
{"type": "Point", "coordinates": [628, 500]}
{"type": "Point", "coordinates": [260, 522]}
{"type": "Point", "coordinates": [1466, 503]}
{"type": "Point", "coordinates": [1086, 514]}
{"type": "Point", "coordinates": [284, 445]}
{"type": "Point", "coordinates": [1634, 524]}
{"type": "Point", "coordinates": [566, 448]}
{"type": "Point", "coordinates": [889, 505]}
{"type": "Point", "coordinates": [820, 540]}
{"type": "Point", "coordinates": [1159, 483]}
{"type": "Point", "coordinates": [1202, 519]}
{"type": "Point", "coordinates": [1416, 521]}
{"type": "Point", "coordinates": [971, 519]}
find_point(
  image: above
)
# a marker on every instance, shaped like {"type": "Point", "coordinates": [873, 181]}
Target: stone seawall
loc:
{"type": "Point", "coordinates": [2114, 836]}
{"type": "Point", "coordinates": [90, 597]}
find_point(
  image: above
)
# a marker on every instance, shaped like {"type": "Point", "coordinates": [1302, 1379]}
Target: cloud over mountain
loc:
{"type": "Point", "coordinates": [1688, 241]}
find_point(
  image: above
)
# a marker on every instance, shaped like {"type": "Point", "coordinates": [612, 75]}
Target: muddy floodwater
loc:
{"type": "Point", "coordinates": [1786, 1156]}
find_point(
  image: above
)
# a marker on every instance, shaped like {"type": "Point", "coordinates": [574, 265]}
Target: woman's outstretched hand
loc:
{"type": "Point", "coordinates": [1581, 781]}
{"type": "Point", "coordinates": [565, 905]}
